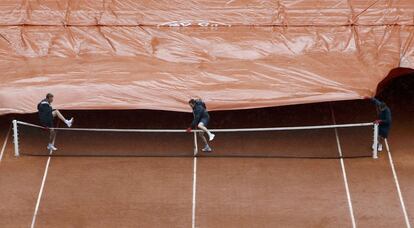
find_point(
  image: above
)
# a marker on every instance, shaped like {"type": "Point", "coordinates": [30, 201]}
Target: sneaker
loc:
{"type": "Point", "coordinates": [379, 147]}
{"type": "Point", "coordinates": [51, 147]}
{"type": "Point", "coordinates": [69, 122]}
{"type": "Point", "coordinates": [211, 136]}
{"type": "Point", "coordinates": [206, 149]}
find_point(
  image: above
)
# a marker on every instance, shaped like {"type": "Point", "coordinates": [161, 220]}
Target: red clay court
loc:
{"type": "Point", "coordinates": [78, 191]}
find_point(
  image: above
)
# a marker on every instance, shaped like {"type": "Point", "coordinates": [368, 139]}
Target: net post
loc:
{"type": "Point", "coordinates": [15, 139]}
{"type": "Point", "coordinates": [195, 144]}
{"type": "Point", "coordinates": [375, 144]}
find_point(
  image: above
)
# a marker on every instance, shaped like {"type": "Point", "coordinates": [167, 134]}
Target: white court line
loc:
{"type": "Point", "coordinates": [397, 184]}
{"type": "Point", "coordinates": [195, 144]}
{"type": "Point", "coordinates": [40, 193]}
{"type": "Point", "coordinates": [42, 186]}
{"type": "Point", "coordinates": [193, 222]}
{"type": "Point", "coordinates": [194, 192]}
{"type": "Point", "coordinates": [5, 143]}
{"type": "Point", "coordinates": [348, 193]}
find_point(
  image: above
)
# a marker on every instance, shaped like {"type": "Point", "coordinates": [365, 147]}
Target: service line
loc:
{"type": "Point", "coordinates": [39, 197]}
{"type": "Point", "coordinates": [348, 193]}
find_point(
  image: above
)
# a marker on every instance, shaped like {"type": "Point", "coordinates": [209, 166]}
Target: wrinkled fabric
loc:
{"type": "Point", "coordinates": [206, 12]}
{"type": "Point", "coordinates": [233, 54]}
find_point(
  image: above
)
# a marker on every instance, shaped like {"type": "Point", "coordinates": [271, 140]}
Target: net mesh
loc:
{"type": "Point", "coordinates": [325, 141]}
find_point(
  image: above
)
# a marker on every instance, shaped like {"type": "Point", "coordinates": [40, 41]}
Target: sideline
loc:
{"type": "Point", "coordinates": [397, 184]}
{"type": "Point", "coordinates": [5, 143]}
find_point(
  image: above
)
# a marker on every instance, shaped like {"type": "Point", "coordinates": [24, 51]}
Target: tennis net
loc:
{"type": "Point", "coordinates": [323, 141]}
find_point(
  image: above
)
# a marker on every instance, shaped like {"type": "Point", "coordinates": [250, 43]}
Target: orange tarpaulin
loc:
{"type": "Point", "coordinates": [222, 12]}
{"type": "Point", "coordinates": [234, 54]}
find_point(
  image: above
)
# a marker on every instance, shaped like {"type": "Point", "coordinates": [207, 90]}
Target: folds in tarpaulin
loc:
{"type": "Point", "coordinates": [206, 12]}
{"type": "Point", "coordinates": [234, 54]}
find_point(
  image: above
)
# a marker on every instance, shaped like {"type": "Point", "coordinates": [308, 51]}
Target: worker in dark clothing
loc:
{"type": "Point", "coordinates": [46, 116]}
{"type": "Point", "coordinates": [201, 119]}
{"type": "Point", "coordinates": [384, 121]}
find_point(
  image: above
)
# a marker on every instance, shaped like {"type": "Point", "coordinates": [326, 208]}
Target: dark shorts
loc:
{"type": "Point", "coordinates": [205, 121]}
{"type": "Point", "coordinates": [383, 131]}
{"type": "Point", "coordinates": [46, 123]}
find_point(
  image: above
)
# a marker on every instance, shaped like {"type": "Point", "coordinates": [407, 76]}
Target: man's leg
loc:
{"type": "Point", "coordinates": [202, 127]}
{"type": "Point", "coordinates": [56, 113]}
{"type": "Point", "coordinates": [52, 135]}
{"type": "Point", "coordinates": [61, 117]}
{"type": "Point", "coordinates": [380, 142]}
{"type": "Point", "coordinates": [206, 146]}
